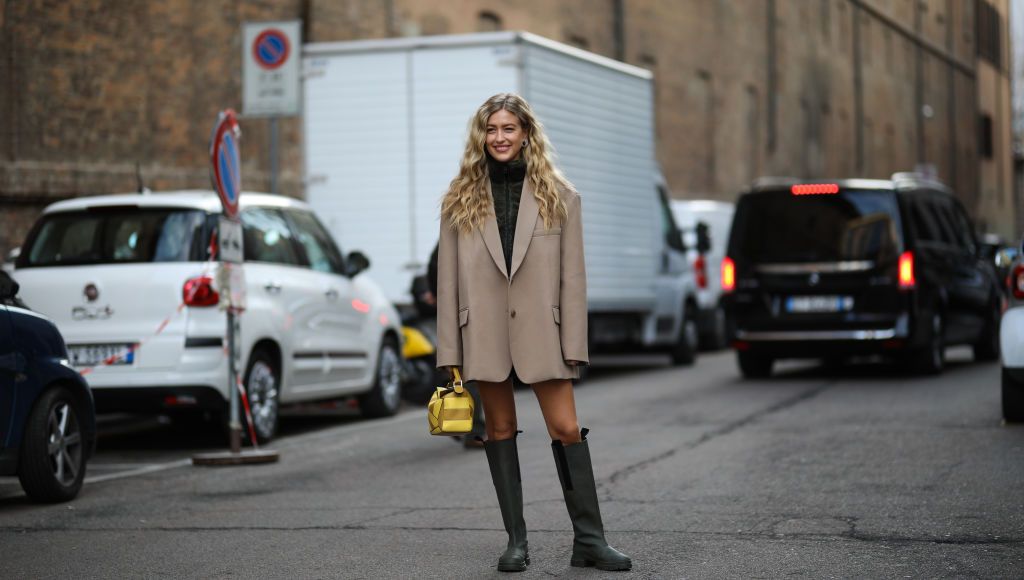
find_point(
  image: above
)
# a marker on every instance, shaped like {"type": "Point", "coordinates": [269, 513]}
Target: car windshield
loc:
{"type": "Point", "coordinates": [116, 235]}
{"type": "Point", "coordinates": [779, 227]}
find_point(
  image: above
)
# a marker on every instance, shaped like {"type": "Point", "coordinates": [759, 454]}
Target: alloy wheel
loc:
{"type": "Point", "coordinates": [64, 445]}
{"type": "Point", "coordinates": [389, 377]}
{"type": "Point", "coordinates": [262, 392]}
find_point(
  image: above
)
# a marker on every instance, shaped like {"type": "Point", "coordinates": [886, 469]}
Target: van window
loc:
{"type": "Point", "coordinates": [266, 237]}
{"type": "Point", "coordinates": [778, 227]}
{"type": "Point", "coordinates": [926, 225]}
{"type": "Point", "coordinates": [116, 235]}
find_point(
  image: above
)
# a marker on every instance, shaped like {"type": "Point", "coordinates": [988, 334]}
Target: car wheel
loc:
{"type": "Point", "coordinates": [987, 347]}
{"type": "Point", "coordinates": [931, 359]}
{"type": "Point", "coordinates": [386, 396]}
{"type": "Point", "coordinates": [754, 366]}
{"type": "Point", "coordinates": [52, 462]}
{"type": "Point", "coordinates": [1013, 398]}
{"type": "Point", "coordinates": [684, 351]}
{"type": "Point", "coordinates": [263, 387]}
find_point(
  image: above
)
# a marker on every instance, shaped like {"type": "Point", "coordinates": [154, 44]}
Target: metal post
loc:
{"type": "Point", "coordinates": [273, 155]}
{"type": "Point", "coordinates": [235, 425]}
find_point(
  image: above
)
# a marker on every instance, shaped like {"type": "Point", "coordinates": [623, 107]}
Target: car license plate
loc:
{"type": "Point", "coordinates": [819, 304]}
{"type": "Point", "coordinates": [90, 355]}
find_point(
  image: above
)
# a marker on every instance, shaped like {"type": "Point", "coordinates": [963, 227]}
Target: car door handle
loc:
{"type": "Point", "coordinates": [272, 287]}
{"type": "Point", "coordinates": [331, 294]}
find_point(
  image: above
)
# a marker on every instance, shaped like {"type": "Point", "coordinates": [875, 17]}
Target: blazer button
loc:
{"type": "Point", "coordinates": [513, 314]}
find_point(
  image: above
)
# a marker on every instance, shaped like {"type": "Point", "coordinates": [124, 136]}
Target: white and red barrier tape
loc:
{"type": "Point", "coordinates": [163, 325]}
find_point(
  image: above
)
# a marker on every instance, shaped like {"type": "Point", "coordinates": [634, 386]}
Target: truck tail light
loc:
{"type": "Point", "coordinates": [1017, 282]}
{"type": "Point", "coordinates": [906, 271]}
{"type": "Point", "coordinates": [728, 274]}
{"type": "Point", "coordinates": [700, 269]}
{"type": "Point", "coordinates": [199, 292]}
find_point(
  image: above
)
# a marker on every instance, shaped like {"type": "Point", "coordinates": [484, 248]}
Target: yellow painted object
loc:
{"type": "Point", "coordinates": [416, 344]}
{"type": "Point", "coordinates": [450, 410]}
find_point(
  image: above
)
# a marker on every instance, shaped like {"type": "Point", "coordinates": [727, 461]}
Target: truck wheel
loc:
{"type": "Point", "coordinates": [754, 366]}
{"type": "Point", "coordinates": [386, 396]}
{"type": "Point", "coordinates": [987, 347]}
{"type": "Point", "coordinates": [52, 463]}
{"type": "Point", "coordinates": [1013, 399]}
{"type": "Point", "coordinates": [684, 351]}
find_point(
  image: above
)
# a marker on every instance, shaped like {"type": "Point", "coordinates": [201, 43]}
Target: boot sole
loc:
{"type": "Point", "coordinates": [514, 567]}
{"type": "Point", "coordinates": [605, 566]}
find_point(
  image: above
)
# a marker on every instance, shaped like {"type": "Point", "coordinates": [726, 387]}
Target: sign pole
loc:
{"type": "Point", "coordinates": [226, 174]}
{"type": "Point", "coordinates": [273, 155]}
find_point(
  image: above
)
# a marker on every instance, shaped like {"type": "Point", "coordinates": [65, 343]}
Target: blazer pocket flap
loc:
{"type": "Point", "coordinates": [557, 313]}
{"type": "Point", "coordinates": [545, 232]}
{"type": "Point", "coordinates": [464, 317]}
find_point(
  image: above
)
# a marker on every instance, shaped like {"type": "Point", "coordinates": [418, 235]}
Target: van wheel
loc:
{"type": "Point", "coordinates": [684, 351]}
{"type": "Point", "coordinates": [263, 387]}
{"type": "Point", "coordinates": [987, 347]}
{"type": "Point", "coordinates": [931, 359]}
{"type": "Point", "coordinates": [754, 366]}
{"type": "Point", "coordinates": [52, 463]}
{"type": "Point", "coordinates": [715, 338]}
{"type": "Point", "coordinates": [1013, 399]}
{"type": "Point", "coordinates": [386, 396]}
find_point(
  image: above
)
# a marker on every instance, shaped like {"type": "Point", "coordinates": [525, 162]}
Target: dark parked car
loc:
{"type": "Point", "coordinates": [857, 267]}
{"type": "Point", "coordinates": [47, 421]}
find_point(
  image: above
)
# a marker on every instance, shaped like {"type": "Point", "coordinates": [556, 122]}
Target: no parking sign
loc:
{"type": "Point", "coordinates": [270, 68]}
{"type": "Point", "coordinates": [226, 161]}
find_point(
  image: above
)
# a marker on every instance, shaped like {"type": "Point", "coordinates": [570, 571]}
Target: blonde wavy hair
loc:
{"type": "Point", "coordinates": [466, 203]}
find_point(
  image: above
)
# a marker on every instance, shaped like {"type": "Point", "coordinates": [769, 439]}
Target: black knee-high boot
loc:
{"type": "Point", "coordinates": [576, 473]}
{"type": "Point", "coordinates": [503, 458]}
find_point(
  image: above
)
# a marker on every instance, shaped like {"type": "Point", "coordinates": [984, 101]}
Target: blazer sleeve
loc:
{"type": "Point", "coordinates": [449, 337]}
{"type": "Point", "coordinates": [573, 288]}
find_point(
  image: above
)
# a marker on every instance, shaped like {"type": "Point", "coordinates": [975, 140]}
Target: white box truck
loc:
{"type": "Point", "coordinates": [385, 123]}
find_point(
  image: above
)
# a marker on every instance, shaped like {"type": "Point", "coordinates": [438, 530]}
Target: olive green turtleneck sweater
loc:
{"type": "Point", "coordinates": [506, 189]}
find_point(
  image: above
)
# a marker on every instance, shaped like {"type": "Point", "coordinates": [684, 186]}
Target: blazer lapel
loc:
{"type": "Point", "coordinates": [525, 223]}
{"type": "Point", "coordinates": [491, 238]}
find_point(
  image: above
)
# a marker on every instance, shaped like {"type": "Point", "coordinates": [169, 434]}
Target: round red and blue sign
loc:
{"type": "Point", "coordinates": [227, 165]}
{"type": "Point", "coordinates": [271, 48]}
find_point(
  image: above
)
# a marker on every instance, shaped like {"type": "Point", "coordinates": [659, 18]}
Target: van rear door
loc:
{"type": "Point", "coordinates": [817, 263]}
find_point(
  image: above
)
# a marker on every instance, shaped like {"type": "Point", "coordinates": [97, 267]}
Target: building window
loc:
{"type": "Point", "coordinates": [985, 145]}
{"type": "Point", "coordinates": [989, 27]}
{"type": "Point", "coordinates": [488, 21]}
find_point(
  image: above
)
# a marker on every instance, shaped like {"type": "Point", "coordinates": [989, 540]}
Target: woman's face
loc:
{"type": "Point", "coordinates": [504, 136]}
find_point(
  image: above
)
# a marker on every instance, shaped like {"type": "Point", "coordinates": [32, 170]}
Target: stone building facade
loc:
{"type": "Point", "coordinates": [96, 95]}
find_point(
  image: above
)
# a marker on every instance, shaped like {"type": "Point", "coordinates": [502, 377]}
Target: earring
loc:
{"type": "Point", "coordinates": [526, 142]}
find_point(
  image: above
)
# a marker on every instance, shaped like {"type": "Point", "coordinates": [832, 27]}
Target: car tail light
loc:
{"type": "Point", "coordinates": [815, 189]}
{"type": "Point", "coordinates": [700, 269]}
{"type": "Point", "coordinates": [199, 292]}
{"type": "Point", "coordinates": [1017, 282]}
{"type": "Point", "coordinates": [906, 271]}
{"type": "Point", "coordinates": [728, 274]}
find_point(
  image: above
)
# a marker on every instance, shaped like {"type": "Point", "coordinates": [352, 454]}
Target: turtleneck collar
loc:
{"type": "Point", "coordinates": [516, 169]}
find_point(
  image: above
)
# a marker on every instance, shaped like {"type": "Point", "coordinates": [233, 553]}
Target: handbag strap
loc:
{"type": "Point", "coordinates": [457, 382]}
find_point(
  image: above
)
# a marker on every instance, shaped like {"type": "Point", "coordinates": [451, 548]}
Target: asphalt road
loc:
{"type": "Point", "coordinates": [862, 472]}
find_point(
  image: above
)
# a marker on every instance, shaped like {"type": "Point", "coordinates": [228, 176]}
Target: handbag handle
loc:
{"type": "Point", "coordinates": [457, 382]}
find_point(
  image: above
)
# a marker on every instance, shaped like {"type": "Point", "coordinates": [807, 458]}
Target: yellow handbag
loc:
{"type": "Point", "coordinates": [450, 410]}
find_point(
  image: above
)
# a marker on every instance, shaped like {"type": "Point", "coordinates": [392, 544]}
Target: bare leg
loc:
{"type": "Point", "coordinates": [558, 405]}
{"type": "Point", "coordinates": [499, 408]}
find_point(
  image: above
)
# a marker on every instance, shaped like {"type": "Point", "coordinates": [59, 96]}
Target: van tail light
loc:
{"type": "Point", "coordinates": [199, 292]}
{"type": "Point", "coordinates": [906, 271]}
{"type": "Point", "coordinates": [1017, 282]}
{"type": "Point", "coordinates": [700, 269]}
{"type": "Point", "coordinates": [728, 274]}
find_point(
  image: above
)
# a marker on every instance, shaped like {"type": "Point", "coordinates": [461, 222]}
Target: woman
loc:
{"type": "Point", "coordinates": [512, 302]}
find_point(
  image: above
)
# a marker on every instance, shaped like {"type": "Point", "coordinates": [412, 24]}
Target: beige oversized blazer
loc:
{"type": "Point", "coordinates": [533, 318]}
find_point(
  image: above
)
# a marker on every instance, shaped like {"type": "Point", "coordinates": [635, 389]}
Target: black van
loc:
{"type": "Point", "coordinates": [855, 267]}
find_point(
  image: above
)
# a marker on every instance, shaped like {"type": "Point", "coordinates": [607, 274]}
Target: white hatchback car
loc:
{"type": "Point", "coordinates": [131, 274]}
{"type": "Point", "coordinates": [1011, 343]}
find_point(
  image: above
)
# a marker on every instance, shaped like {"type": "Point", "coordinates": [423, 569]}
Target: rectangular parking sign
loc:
{"type": "Point", "coordinates": [271, 56]}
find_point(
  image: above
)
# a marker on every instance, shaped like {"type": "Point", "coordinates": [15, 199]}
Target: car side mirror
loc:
{"type": "Point", "coordinates": [703, 238]}
{"type": "Point", "coordinates": [8, 287]}
{"type": "Point", "coordinates": [355, 263]}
